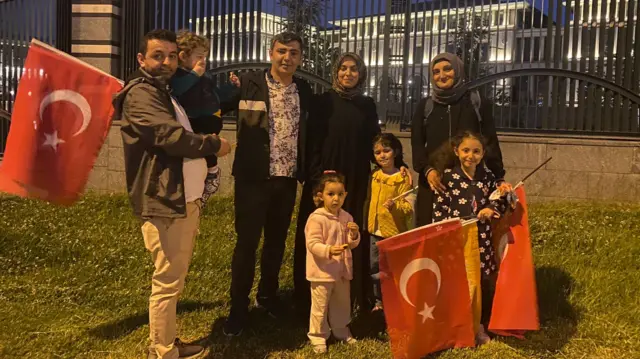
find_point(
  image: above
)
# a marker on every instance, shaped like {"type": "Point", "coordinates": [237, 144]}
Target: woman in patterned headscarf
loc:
{"type": "Point", "coordinates": [342, 128]}
{"type": "Point", "coordinates": [348, 75]}
{"type": "Point", "coordinates": [452, 111]}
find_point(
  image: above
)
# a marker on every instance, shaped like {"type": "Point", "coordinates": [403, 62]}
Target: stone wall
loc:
{"type": "Point", "coordinates": [581, 169]}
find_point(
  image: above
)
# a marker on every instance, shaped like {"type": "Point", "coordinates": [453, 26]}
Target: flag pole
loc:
{"type": "Point", "coordinates": [532, 172]}
{"type": "Point", "coordinates": [402, 195]}
{"type": "Point", "coordinates": [470, 219]}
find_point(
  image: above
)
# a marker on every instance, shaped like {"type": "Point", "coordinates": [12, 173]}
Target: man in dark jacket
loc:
{"type": "Point", "coordinates": [271, 132]}
{"type": "Point", "coordinates": [165, 172]}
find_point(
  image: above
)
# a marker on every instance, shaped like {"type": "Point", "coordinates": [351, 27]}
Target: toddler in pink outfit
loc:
{"type": "Point", "coordinates": [330, 235]}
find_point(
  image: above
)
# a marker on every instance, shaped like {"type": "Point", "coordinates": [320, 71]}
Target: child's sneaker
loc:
{"type": "Point", "coordinates": [211, 184]}
{"type": "Point", "coordinates": [346, 337]}
{"type": "Point", "coordinates": [482, 337]}
{"type": "Point", "coordinates": [320, 348]}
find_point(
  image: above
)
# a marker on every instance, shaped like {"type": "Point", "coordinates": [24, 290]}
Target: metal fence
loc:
{"type": "Point", "coordinates": [20, 21]}
{"type": "Point", "coordinates": [589, 39]}
{"type": "Point", "coordinates": [397, 39]}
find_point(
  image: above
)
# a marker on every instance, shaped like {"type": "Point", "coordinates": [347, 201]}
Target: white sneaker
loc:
{"type": "Point", "coordinates": [350, 340]}
{"type": "Point", "coordinates": [320, 348]}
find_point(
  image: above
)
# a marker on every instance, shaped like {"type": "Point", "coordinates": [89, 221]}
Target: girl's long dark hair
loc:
{"type": "Point", "coordinates": [444, 157]}
{"type": "Point", "coordinates": [391, 141]}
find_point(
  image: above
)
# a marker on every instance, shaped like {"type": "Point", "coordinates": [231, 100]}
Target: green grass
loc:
{"type": "Point", "coordinates": [74, 283]}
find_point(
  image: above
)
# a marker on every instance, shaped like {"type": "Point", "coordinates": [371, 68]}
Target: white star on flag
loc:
{"type": "Point", "coordinates": [427, 312]}
{"type": "Point", "coordinates": [52, 140]}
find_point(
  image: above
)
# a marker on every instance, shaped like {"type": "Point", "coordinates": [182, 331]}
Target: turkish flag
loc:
{"type": "Point", "coordinates": [61, 117]}
{"type": "Point", "coordinates": [425, 290]}
{"type": "Point", "coordinates": [515, 304]}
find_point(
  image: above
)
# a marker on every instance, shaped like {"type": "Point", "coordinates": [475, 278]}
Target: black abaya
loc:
{"type": "Point", "coordinates": [341, 133]}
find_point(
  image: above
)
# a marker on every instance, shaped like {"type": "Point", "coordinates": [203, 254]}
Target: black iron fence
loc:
{"type": "Point", "coordinates": [591, 39]}
{"type": "Point", "coordinates": [20, 21]}
{"type": "Point", "coordinates": [397, 39]}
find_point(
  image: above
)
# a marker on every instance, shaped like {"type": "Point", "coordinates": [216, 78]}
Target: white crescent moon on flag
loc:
{"type": "Point", "coordinates": [413, 267]}
{"type": "Point", "coordinates": [73, 97]}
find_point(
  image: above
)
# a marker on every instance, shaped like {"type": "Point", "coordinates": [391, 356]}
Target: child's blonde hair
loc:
{"type": "Point", "coordinates": [330, 177]}
{"type": "Point", "coordinates": [189, 41]}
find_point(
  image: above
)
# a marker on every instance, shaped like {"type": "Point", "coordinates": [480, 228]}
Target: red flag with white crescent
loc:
{"type": "Point", "coordinates": [515, 304]}
{"type": "Point", "coordinates": [425, 291]}
{"type": "Point", "coordinates": [60, 119]}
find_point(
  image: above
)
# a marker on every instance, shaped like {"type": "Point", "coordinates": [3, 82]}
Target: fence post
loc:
{"type": "Point", "coordinates": [95, 33]}
{"type": "Point", "coordinates": [384, 90]}
{"type": "Point", "coordinates": [63, 27]}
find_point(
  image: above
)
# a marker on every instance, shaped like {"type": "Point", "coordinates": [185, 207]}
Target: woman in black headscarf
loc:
{"type": "Point", "coordinates": [451, 110]}
{"type": "Point", "coordinates": [342, 127]}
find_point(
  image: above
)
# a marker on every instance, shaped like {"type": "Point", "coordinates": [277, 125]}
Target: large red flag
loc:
{"type": "Point", "coordinates": [425, 290]}
{"type": "Point", "coordinates": [515, 305]}
{"type": "Point", "coordinates": [60, 120]}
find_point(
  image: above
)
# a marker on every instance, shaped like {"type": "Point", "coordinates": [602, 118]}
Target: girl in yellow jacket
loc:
{"type": "Point", "coordinates": [387, 217]}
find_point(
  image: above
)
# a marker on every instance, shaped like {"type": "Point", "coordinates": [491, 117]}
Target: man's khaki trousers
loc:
{"type": "Point", "coordinates": [170, 241]}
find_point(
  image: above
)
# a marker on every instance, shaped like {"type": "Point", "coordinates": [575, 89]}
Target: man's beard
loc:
{"type": "Point", "coordinates": [160, 72]}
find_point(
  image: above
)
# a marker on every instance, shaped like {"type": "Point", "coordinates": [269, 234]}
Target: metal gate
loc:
{"type": "Point", "coordinates": [21, 20]}
{"type": "Point", "coordinates": [397, 39]}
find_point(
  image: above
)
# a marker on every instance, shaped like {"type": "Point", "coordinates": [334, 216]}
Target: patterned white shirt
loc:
{"type": "Point", "coordinates": [284, 125]}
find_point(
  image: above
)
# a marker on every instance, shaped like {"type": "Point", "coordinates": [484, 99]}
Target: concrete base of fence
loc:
{"type": "Point", "coordinates": [583, 168]}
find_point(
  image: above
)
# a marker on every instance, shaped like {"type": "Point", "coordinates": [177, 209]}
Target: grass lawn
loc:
{"type": "Point", "coordinates": [74, 283]}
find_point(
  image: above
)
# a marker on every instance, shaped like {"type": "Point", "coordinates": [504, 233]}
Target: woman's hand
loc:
{"type": "Point", "coordinates": [404, 171]}
{"type": "Point", "coordinates": [485, 214]}
{"type": "Point", "coordinates": [434, 179]}
{"type": "Point", "coordinates": [388, 204]}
